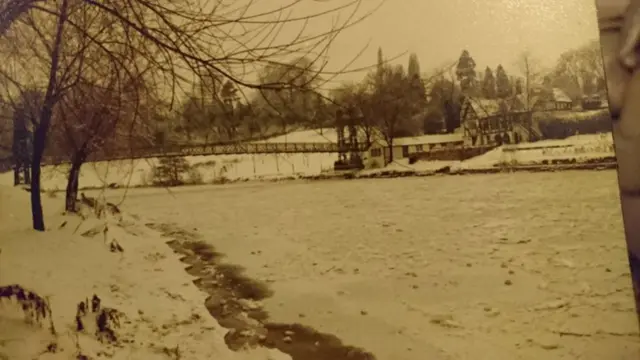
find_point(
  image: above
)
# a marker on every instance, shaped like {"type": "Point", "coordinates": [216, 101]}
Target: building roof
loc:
{"type": "Point", "coordinates": [491, 107]}
{"type": "Point", "coordinates": [560, 96]}
{"type": "Point", "coordinates": [485, 107]}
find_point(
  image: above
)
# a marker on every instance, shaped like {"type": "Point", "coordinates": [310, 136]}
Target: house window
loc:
{"type": "Point", "coordinates": [376, 152]}
{"type": "Point", "coordinates": [419, 148]}
{"type": "Point", "coordinates": [405, 151]}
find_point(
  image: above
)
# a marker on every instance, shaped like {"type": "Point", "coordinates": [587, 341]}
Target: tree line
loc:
{"type": "Point", "coordinates": [89, 78]}
{"type": "Point", "coordinates": [398, 102]}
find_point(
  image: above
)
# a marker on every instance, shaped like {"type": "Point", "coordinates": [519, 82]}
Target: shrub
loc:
{"type": "Point", "coordinates": [170, 171]}
{"type": "Point", "coordinates": [195, 176]}
{"type": "Point", "coordinates": [35, 307]}
{"type": "Point", "coordinates": [561, 126]}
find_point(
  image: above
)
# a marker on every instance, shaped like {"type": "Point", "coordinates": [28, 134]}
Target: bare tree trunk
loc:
{"type": "Point", "coordinates": [368, 135]}
{"type": "Point", "coordinates": [71, 196]}
{"type": "Point", "coordinates": [40, 133]}
{"type": "Point", "coordinates": [26, 173]}
{"type": "Point", "coordinates": [16, 173]}
{"type": "Point", "coordinates": [36, 200]}
{"type": "Point", "coordinates": [175, 181]}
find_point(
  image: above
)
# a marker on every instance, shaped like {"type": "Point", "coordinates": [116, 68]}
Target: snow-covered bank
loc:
{"type": "Point", "coordinates": [236, 302]}
{"type": "Point", "coordinates": [161, 312]}
{"type": "Point", "coordinates": [576, 149]}
{"type": "Point", "coordinates": [579, 147]}
{"type": "Point", "coordinates": [210, 169]}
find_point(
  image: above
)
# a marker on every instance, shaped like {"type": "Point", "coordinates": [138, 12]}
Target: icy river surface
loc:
{"type": "Point", "coordinates": [483, 267]}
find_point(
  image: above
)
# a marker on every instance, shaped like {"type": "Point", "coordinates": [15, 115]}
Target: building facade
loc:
{"type": "Point", "coordinates": [380, 153]}
{"type": "Point", "coordinates": [487, 122]}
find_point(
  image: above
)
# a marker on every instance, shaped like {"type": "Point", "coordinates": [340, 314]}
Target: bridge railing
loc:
{"type": "Point", "coordinates": [203, 150]}
{"type": "Point", "coordinates": [264, 148]}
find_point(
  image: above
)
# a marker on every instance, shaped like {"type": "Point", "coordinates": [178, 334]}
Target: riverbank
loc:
{"type": "Point", "coordinates": [99, 288]}
{"type": "Point", "coordinates": [447, 170]}
{"type": "Point", "coordinates": [568, 165]}
{"type": "Point", "coordinates": [580, 152]}
{"type": "Point", "coordinates": [235, 302]}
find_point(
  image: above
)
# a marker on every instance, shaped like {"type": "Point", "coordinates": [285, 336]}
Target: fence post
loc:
{"type": "Point", "coordinates": [253, 159]}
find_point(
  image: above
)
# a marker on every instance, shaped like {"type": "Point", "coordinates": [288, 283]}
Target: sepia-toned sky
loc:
{"type": "Point", "coordinates": [494, 31]}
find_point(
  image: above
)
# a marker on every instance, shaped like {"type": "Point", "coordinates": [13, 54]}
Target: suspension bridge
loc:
{"type": "Point", "coordinates": [347, 148]}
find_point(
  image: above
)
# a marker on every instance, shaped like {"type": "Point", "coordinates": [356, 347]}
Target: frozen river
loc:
{"type": "Point", "coordinates": [483, 267]}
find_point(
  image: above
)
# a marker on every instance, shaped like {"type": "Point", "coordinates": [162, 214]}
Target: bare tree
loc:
{"type": "Point", "coordinates": [390, 102]}
{"type": "Point", "coordinates": [580, 71]}
{"type": "Point", "coordinates": [356, 100]}
{"type": "Point", "coordinates": [530, 69]}
{"type": "Point", "coordinates": [12, 10]}
{"type": "Point", "coordinates": [95, 118]}
{"type": "Point", "coordinates": [216, 39]}
{"type": "Point", "coordinates": [444, 96]}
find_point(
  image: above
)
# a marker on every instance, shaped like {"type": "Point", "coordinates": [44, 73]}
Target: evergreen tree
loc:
{"type": "Point", "coordinates": [489, 84]}
{"type": "Point", "coordinates": [503, 85]}
{"type": "Point", "coordinates": [418, 93]}
{"type": "Point", "coordinates": [466, 72]}
{"type": "Point", "coordinates": [519, 88]}
{"type": "Point", "coordinates": [380, 68]}
{"type": "Point", "coordinates": [170, 171]}
{"type": "Point", "coordinates": [413, 69]}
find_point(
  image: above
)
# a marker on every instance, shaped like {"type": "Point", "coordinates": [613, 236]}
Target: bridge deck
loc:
{"type": "Point", "coordinates": [264, 148]}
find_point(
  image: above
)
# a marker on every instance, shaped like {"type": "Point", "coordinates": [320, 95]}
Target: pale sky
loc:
{"type": "Point", "coordinates": [493, 31]}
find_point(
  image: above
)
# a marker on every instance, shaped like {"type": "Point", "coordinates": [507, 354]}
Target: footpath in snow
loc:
{"type": "Point", "coordinates": [90, 288]}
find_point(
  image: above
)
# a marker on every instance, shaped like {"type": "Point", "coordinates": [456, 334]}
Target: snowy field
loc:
{"type": "Point", "coordinates": [484, 267]}
{"type": "Point", "coordinates": [216, 169]}
{"type": "Point", "coordinates": [160, 311]}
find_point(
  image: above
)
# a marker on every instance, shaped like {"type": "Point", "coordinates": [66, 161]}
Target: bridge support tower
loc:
{"type": "Point", "coordinates": [349, 157]}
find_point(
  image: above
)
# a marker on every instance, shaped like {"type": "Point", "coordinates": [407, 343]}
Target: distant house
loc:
{"type": "Point", "coordinates": [592, 102]}
{"type": "Point", "coordinates": [404, 147]}
{"type": "Point", "coordinates": [487, 122]}
{"type": "Point", "coordinates": [552, 100]}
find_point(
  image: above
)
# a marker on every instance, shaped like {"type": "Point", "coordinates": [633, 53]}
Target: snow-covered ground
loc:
{"type": "Point", "coordinates": [486, 267]}
{"type": "Point", "coordinates": [256, 167]}
{"type": "Point", "coordinates": [162, 313]}
{"type": "Point", "coordinates": [579, 147]}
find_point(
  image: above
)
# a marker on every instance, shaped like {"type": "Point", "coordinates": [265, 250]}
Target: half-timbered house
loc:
{"type": "Point", "coordinates": [488, 122]}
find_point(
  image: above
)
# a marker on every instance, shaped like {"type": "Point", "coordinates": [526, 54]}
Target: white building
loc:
{"type": "Point", "coordinates": [379, 152]}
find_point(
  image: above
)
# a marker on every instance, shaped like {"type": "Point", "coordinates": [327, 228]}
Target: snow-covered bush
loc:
{"type": "Point", "coordinates": [170, 171]}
